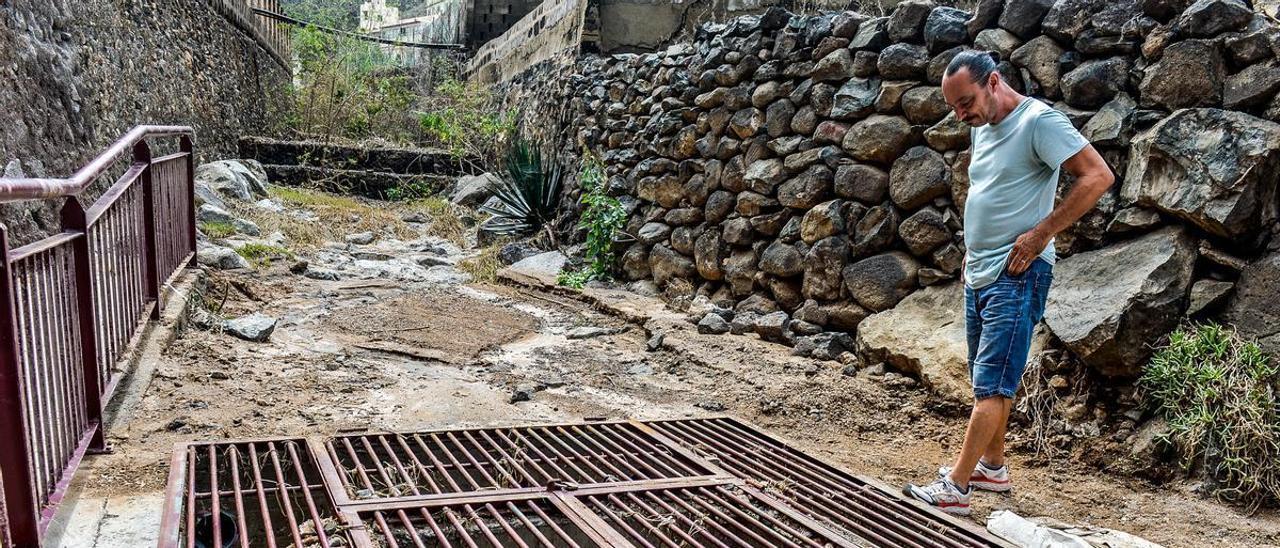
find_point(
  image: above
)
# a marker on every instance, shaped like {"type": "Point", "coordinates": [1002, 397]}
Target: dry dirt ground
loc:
{"type": "Point", "coordinates": [405, 355]}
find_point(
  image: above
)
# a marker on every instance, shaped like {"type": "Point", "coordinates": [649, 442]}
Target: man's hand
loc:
{"type": "Point", "coordinates": [1093, 178]}
{"type": "Point", "coordinates": [1026, 248]}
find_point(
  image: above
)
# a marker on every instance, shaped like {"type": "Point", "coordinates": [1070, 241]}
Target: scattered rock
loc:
{"type": "Point", "coordinates": [473, 190]}
{"type": "Point", "coordinates": [222, 258]}
{"type": "Point", "coordinates": [590, 332]}
{"type": "Point", "coordinates": [361, 238]}
{"type": "Point", "coordinates": [713, 324]}
{"type": "Point", "coordinates": [254, 327]}
{"type": "Point", "coordinates": [325, 274]}
{"type": "Point", "coordinates": [772, 327]}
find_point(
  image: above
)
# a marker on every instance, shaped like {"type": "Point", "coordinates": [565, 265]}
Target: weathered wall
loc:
{"type": "Point", "coordinates": [551, 30]}
{"type": "Point", "coordinates": [79, 74]}
{"type": "Point", "coordinates": [806, 173]}
{"type": "Point", "coordinates": [648, 25]}
{"type": "Point", "coordinates": [488, 19]}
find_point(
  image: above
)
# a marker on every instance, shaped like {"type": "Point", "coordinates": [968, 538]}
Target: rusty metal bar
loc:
{"type": "Point", "coordinates": [73, 218]}
{"type": "Point", "coordinates": [16, 190]}
{"type": "Point", "coordinates": [20, 497]}
{"type": "Point", "coordinates": [151, 271]}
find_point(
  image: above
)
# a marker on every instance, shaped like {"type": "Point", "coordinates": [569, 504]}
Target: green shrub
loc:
{"type": "Point", "coordinates": [263, 254]}
{"type": "Point", "coordinates": [1218, 393]}
{"type": "Point", "coordinates": [603, 217]}
{"type": "Point", "coordinates": [217, 230]}
{"type": "Point", "coordinates": [461, 118]}
{"type": "Point", "coordinates": [349, 89]}
{"type": "Point", "coordinates": [529, 195]}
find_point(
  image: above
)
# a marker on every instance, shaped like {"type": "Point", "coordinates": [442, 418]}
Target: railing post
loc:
{"type": "Point", "coordinates": [74, 220]}
{"type": "Point", "coordinates": [186, 145]}
{"type": "Point", "coordinates": [15, 461]}
{"type": "Point", "coordinates": [142, 154]}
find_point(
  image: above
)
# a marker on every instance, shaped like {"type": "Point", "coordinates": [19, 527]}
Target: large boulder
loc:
{"type": "Point", "coordinates": [1252, 86]}
{"type": "Point", "coordinates": [1023, 17]}
{"type": "Point", "coordinates": [709, 254]}
{"type": "Point", "coordinates": [781, 259]}
{"type": "Point", "coordinates": [878, 138]}
{"type": "Point", "coordinates": [918, 177]}
{"type": "Point", "coordinates": [924, 231]}
{"type": "Point", "coordinates": [807, 189]}
{"type": "Point", "coordinates": [907, 22]}
{"type": "Point", "coordinates": [821, 221]}
{"type": "Point", "coordinates": [473, 190]}
{"type": "Point", "coordinates": [1109, 305]}
{"type": "Point", "coordinates": [740, 271]}
{"type": "Point", "coordinates": [925, 105]}
{"type": "Point", "coordinates": [1208, 18]}
{"type": "Point", "coordinates": [1215, 168]}
{"type": "Point", "coordinates": [861, 182]}
{"type": "Point", "coordinates": [1255, 308]}
{"type": "Point", "coordinates": [1039, 56]}
{"type": "Point", "coordinates": [880, 281]}
{"type": "Point", "coordinates": [1189, 74]}
{"type": "Point", "coordinates": [666, 265]}
{"type": "Point", "coordinates": [903, 62]}
{"type": "Point", "coordinates": [945, 28]}
{"type": "Point", "coordinates": [1093, 83]}
{"type": "Point", "coordinates": [235, 179]}
{"type": "Point", "coordinates": [837, 65]}
{"type": "Point", "coordinates": [763, 176]}
{"type": "Point", "coordinates": [923, 335]}
{"type": "Point", "coordinates": [856, 98]}
{"type": "Point", "coordinates": [822, 268]}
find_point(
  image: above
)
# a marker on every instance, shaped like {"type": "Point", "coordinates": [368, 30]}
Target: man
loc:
{"type": "Point", "coordinates": [1019, 147]}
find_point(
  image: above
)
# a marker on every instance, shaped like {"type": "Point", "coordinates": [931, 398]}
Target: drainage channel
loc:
{"type": "Point", "coordinates": [689, 482]}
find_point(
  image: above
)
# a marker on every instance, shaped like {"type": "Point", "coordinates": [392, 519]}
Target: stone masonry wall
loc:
{"type": "Point", "coordinates": [79, 74]}
{"type": "Point", "coordinates": [805, 175]}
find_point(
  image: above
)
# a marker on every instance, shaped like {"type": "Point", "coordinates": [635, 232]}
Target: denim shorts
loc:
{"type": "Point", "coordinates": [999, 319]}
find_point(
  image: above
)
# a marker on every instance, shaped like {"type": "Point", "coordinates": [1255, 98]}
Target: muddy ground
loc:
{"type": "Point", "coordinates": [424, 349]}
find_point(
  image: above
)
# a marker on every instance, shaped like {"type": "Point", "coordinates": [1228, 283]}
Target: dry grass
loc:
{"type": "Point", "coordinates": [484, 266]}
{"type": "Point", "coordinates": [446, 219]}
{"type": "Point", "coordinates": [336, 216]}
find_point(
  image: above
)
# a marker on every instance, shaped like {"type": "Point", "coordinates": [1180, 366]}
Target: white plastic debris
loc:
{"type": "Point", "coordinates": [1048, 533]}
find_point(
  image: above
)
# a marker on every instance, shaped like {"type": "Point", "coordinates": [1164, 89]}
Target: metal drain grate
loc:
{"type": "Point", "coordinates": [838, 499]}
{"type": "Point", "coordinates": [703, 482]}
{"type": "Point", "coordinates": [250, 493]}
{"type": "Point", "coordinates": [383, 466]}
{"type": "Point", "coordinates": [715, 515]}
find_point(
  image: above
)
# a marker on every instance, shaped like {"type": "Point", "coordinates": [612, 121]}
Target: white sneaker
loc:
{"type": "Point", "coordinates": [942, 494]}
{"type": "Point", "coordinates": [985, 478]}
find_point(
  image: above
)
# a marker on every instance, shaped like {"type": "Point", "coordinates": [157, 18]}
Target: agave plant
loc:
{"type": "Point", "coordinates": [529, 195]}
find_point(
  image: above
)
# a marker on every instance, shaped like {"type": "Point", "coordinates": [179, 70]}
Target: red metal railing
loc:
{"type": "Point", "coordinates": [73, 303]}
{"type": "Point", "coordinates": [271, 34]}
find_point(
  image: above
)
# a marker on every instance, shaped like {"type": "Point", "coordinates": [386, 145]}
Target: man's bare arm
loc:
{"type": "Point", "coordinates": [1093, 178]}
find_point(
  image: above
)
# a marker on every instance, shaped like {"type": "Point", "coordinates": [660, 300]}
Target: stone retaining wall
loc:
{"type": "Point", "coordinates": [804, 173]}
{"type": "Point", "coordinates": [79, 74]}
